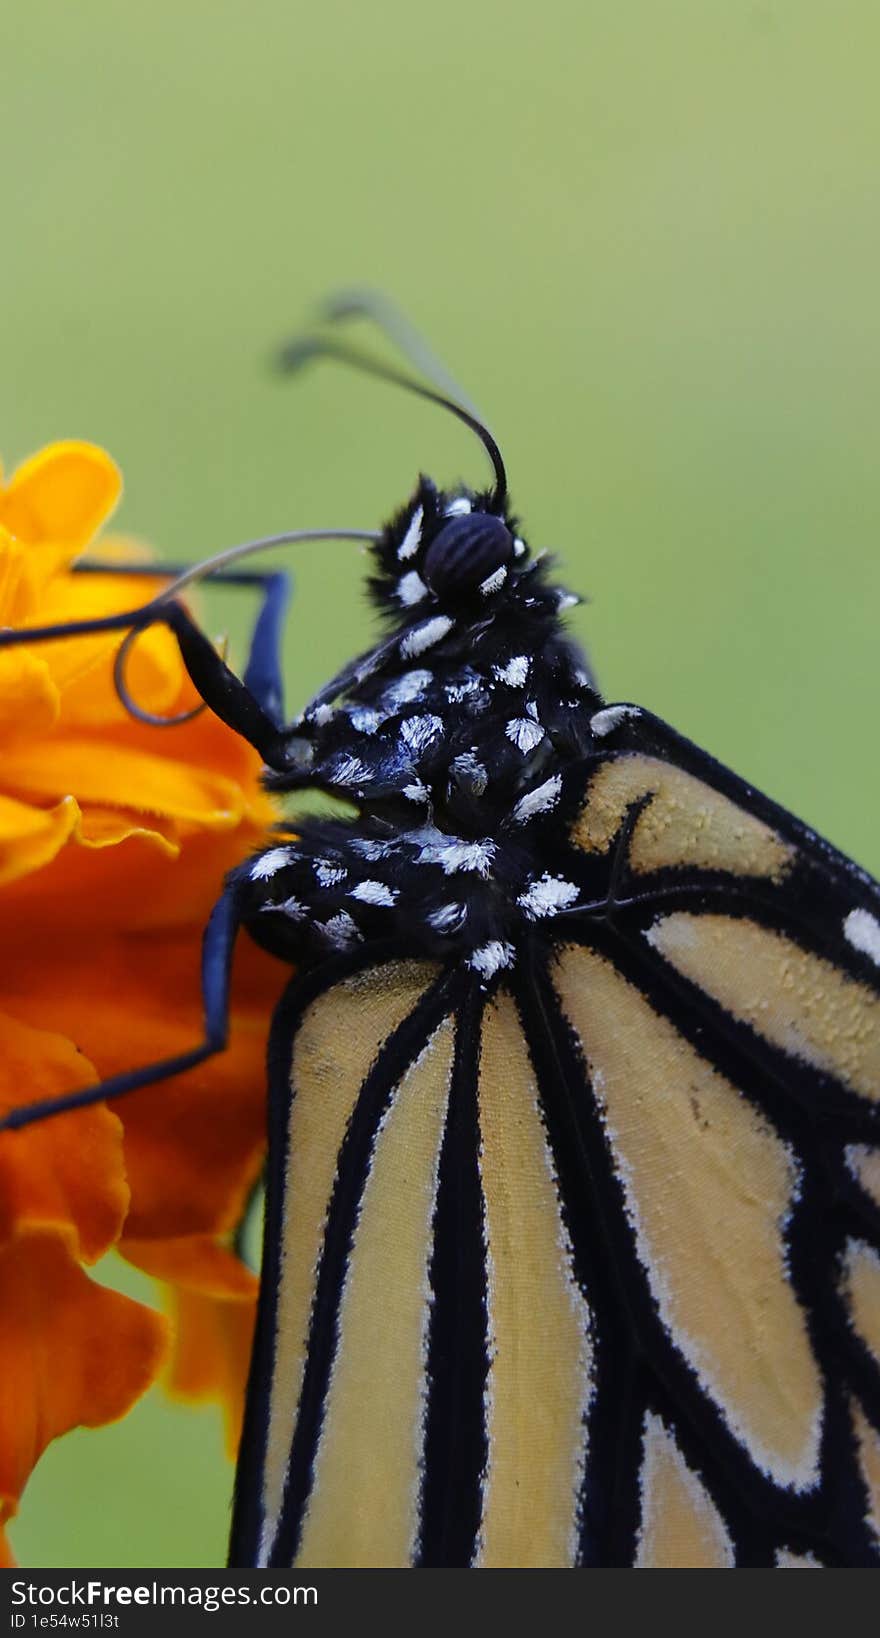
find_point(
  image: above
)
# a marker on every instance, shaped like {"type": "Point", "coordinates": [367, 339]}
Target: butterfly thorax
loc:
{"type": "Point", "coordinates": [450, 738]}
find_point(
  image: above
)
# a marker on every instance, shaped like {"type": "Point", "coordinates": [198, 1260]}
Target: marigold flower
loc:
{"type": "Point", "coordinates": [114, 841]}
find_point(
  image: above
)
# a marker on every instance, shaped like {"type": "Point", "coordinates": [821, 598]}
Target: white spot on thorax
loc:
{"type": "Point", "coordinates": [493, 582]}
{"type": "Point", "coordinates": [341, 930]}
{"type": "Point", "coordinates": [514, 673]}
{"type": "Point", "coordinates": [418, 732]}
{"type": "Point", "coordinates": [458, 691]}
{"type": "Point", "coordinates": [374, 893]}
{"type": "Point", "coordinates": [454, 855]}
{"type": "Point", "coordinates": [410, 542]}
{"type": "Point", "coordinates": [364, 719]}
{"type": "Point", "coordinates": [862, 930]}
{"type": "Point", "coordinates": [411, 588]}
{"type": "Point", "coordinates": [327, 874]}
{"type": "Point", "coordinates": [417, 792]}
{"type": "Point", "coordinates": [406, 689]}
{"type": "Point", "coordinates": [267, 864]}
{"type": "Point", "coordinates": [448, 918]}
{"type": "Point", "coordinates": [489, 958]}
{"type": "Point", "coordinates": [425, 636]}
{"type": "Point", "coordinates": [349, 770]}
{"type": "Point", "coordinates": [547, 896]}
{"type": "Point", "coordinates": [470, 769]}
{"type": "Point", "coordinates": [525, 734]}
{"type": "Point", "coordinates": [458, 507]}
{"type": "Point", "coordinates": [371, 848]}
{"type": "Point", "coordinates": [540, 800]}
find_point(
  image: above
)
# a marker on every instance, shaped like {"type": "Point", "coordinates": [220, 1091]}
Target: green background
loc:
{"type": "Point", "coordinates": [644, 233]}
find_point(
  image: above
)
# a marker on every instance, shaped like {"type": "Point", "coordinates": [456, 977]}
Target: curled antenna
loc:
{"type": "Point", "coordinates": [302, 349]}
{"type": "Point", "coordinates": [201, 571]}
{"type": "Point", "coordinates": [246, 548]}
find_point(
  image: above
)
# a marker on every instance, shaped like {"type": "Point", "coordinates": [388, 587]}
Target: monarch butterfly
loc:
{"type": "Point", "coordinates": [572, 1243]}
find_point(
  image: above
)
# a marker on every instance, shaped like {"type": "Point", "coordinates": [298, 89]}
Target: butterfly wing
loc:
{"type": "Point", "coordinates": [719, 1036]}
{"type": "Point", "coordinates": [584, 1270]}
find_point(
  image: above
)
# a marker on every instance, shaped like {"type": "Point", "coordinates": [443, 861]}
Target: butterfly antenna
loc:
{"type": "Point", "coordinates": [303, 349]}
{"type": "Point", "coordinates": [377, 309]}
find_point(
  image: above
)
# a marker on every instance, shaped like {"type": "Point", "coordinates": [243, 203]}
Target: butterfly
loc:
{"type": "Point", "coordinates": [572, 1231]}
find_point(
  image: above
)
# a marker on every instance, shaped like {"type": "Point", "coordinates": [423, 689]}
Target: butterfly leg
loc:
{"type": "Point", "coordinates": [248, 710]}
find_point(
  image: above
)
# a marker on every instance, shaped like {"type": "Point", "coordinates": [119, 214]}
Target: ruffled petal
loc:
{"type": "Point", "coordinates": [30, 837]}
{"type": "Point", "coordinates": [72, 1353]}
{"type": "Point", "coordinates": [61, 495]}
{"type": "Point", "coordinates": [132, 886]}
{"type": "Point", "coordinates": [68, 1172]}
{"type": "Point", "coordinates": [105, 773]}
{"type": "Point", "coordinates": [193, 1145]}
{"type": "Point", "coordinates": [213, 1301]}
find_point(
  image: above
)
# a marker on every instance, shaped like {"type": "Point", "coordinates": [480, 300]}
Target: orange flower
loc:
{"type": "Point", "coordinates": [114, 841]}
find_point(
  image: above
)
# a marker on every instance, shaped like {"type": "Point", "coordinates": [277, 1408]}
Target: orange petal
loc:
{"type": "Point", "coordinates": [104, 827]}
{"type": "Point", "coordinates": [73, 1353]}
{"type": "Point", "coordinates": [107, 773]}
{"type": "Point", "coordinates": [193, 1145]}
{"type": "Point", "coordinates": [30, 837]}
{"type": "Point", "coordinates": [29, 699]}
{"type": "Point", "coordinates": [61, 495]}
{"type": "Point", "coordinates": [99, 892]}
{"type": "Point", "coordinates": [213, 1303]}
{"type": "Point", "coordinates": [65, 1172]}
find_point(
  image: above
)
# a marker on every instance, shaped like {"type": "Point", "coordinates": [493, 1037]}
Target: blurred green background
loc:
{"type": "Point", "coordinates": [644, 233]}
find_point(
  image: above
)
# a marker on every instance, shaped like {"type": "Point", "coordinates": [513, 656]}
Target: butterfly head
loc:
{"type": "Point", "coordinates": [449, 552]}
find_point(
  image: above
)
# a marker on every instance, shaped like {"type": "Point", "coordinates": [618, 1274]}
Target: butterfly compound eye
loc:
{"type": "Point", "coordinates": [466, 551]}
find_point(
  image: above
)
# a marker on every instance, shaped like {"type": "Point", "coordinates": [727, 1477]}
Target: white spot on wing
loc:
{"type": "Point", "coordinates": [604, 722]}
{"type": "Point", "coordinates": [410, 542]}
{"type": "Point", "coordinates": [274, 859]}
{"type": "Point", "coordinates": [489, 958]}
{"type": "Point", "coordinates": [862, 930]}
{"type": "Point", "coordinates": [540, 800]}
{"type": "Point", "coordinates": [525, 734]}
{"type": "Point", "coordinates": [547, 896]}
{"type": "Point", "coordinates": [374, 893]}
{"type": "Point", "coordinates": [425, 636]}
